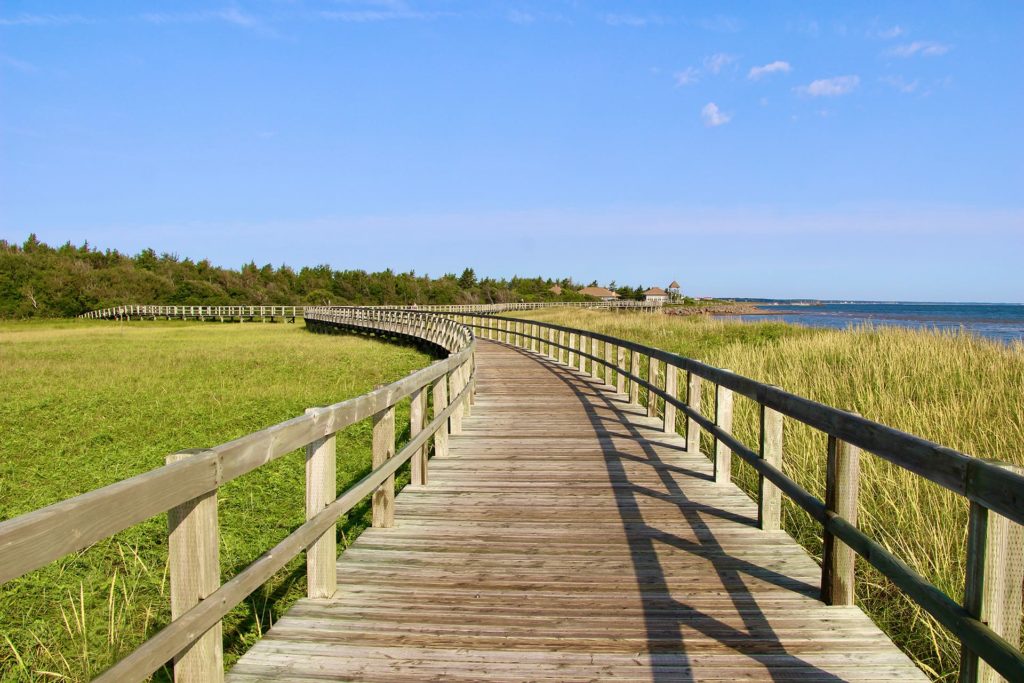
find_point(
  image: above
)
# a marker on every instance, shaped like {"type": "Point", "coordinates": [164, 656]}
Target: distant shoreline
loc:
{"type": "Point", "coordinates": [719, 308]}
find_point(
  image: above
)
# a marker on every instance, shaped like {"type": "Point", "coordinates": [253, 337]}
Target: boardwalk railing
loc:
{"type": "Point", "coordinates": [186, 488]}
{"type": "Point", "coordinates": [137, 311]}
{"type": "Point", "coordinates": [987, 624]}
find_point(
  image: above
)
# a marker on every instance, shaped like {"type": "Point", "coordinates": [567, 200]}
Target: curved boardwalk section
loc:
{"type": "Point", "coordinates": [565, 537]}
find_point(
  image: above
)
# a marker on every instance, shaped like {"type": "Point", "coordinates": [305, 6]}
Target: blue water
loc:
{"type": "Point", "coordinates": [1003, 322]}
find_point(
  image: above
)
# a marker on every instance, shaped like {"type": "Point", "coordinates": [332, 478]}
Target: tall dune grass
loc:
{"type": "Point", "coordinates": [955, 389]}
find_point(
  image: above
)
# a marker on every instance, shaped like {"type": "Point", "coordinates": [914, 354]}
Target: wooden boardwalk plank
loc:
{"type": "Point", "coordinates": [565, 537]}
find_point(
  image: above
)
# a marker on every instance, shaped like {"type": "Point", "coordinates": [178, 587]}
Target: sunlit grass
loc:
{"type": "Point", "coordinates": [954, 389]}
{"type": "Point", "coordinates": [88, 404]}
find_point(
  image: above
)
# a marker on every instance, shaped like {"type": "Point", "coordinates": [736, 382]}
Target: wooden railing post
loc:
{"type": "Point", "coordinates": [384, 450]}
{"type": "Point", "coordinates": [693, 384]}
{"type": "Point", "coordinates": [193, 561]}
{"type": "Point", "coordinates": [609, 363]}
{"type": "Point", "coordinates": [842, 474]}
{"type": "Point", "coordinates": [561, 343]}
{"type": "Point", "coordinates": [652, 378]}
{"type": "Point", "coordinates": [634, 387]}
{"type": "Point", "coordinates": [671, 377]}
{"type": "Point", "coordinates": [995, 573]}
{"type": "Point", "coordinates": [440, 396]}
{"type": "Point", "coordinates": [417, 417]}
{"type": "Point", "coordinates": [455, 388]}
{"type": "Point", "coordinates": [594, 365]}
{"type": "Point", "coordinates": [769, 507]}
{"type": "Point", "coordinates": [572, 350]}
{"type": "Point", "coordinates": [620, 364]}
{"type": "Point", "coordinates": [723, 420]}
{"type": "Point", "coordinates": [321, 490]}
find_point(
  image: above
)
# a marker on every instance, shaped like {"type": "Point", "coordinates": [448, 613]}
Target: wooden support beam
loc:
{"type": "Point", "coordinates": [769, 508]}
{"type": "Point", "coordinates": [671, 377]}
{"type": "Point", "coordinates": [609, 363]}
{"type": "Point", "coordinates": [417, 418]}
{"type": "Point", "coordinates": [440, 396]}
{"type": "Point", "coordinates": [652, 377]}
{"type": "Point", "coordinates": [594, 365]}
{"type": "Point", "coordinates": [620, 379]}
{"type": "Point", "coordinates": [842, 475]}
{"type": "Point", "coordinates": [193, 563]}
{"type": "Point", "coordinates": [455, 379]}
{"type": "Point", "coordinates": [321, 490]}
{"type": "Point", "coordinates": [723, 420]}
{"type": "Point", "coordinates": [384, 450]}
{"type": "Point", "coordinates": [693, 385]}
{"type": "Point", "coordinates": [634, 369]}
{"type": "Point", "coordinates": [995, 574]}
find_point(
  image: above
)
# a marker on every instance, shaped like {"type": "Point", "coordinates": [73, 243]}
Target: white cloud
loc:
{"type": "Point", "coordinates": [42, 20]}
{"type": "Point", "coordinates": [925, 48]}
{"type": "Point", "coordinates": [17, 64]}
{"type": "Point", "coordinates": [713, 116]}
{"type": "Point", "coordinates": [720, 23]}
{"type": "Point", "coordinates": [633, 20]}
{"type": "Point", "coordinates": [687, 76]}
{"type": "Point", "coordinates": [891, 32]}
{"type": "Point", "coordinates": [777, 66]}
{"type": "Point", "coordinates": [229, 15]}
{"type": "Point", "coordinates": [718, 61]}
{"type": "Point", "coordinates": [900, 84]}
{"type": "Point", "coordinates": [830, 87]}
{"type": "Point", "coordinates": [520, 17]}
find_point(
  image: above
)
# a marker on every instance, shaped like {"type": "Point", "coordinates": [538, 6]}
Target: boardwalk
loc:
{"type": "Point", "coordinates": [565, 538]}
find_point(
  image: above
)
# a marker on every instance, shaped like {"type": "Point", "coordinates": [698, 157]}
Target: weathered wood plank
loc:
{"type": "Point", "coordinates": [567, 537]}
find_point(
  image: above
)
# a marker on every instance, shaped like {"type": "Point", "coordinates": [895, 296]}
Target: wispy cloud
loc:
{"type": "Point", "coordinates": [900, 84]}
{"type": "Point", "coordinates": [43, 20]}
{"type": "Point", "coordinates": [777, 66]}
{"type": "Point", "coordinates": [17, 64]}
{"type": "Point", "coordinates": [228, 15]}
{"type": "Point", "coordinates": [891, 32]}
{"type": "Point", "coordinates": [713, 116]}
{"type": "Point", "coordinates": [687, 76]}
{"type": "Point", "coordinates": [520, 17]}
{"type": "Point", "coordinates": [924, 48]}
{"type": "Point", "coordinates": [718, 61]}
{"type": "Point", "coordinates": [719, 23]}
{"type": "Point", "coordinates": [633, 20]}
{"type": "Point", "coordinates": [830, 87]}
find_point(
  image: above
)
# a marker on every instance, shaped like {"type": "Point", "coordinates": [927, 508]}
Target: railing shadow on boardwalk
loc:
{"type": "Point", "coordinates": [665, 617]}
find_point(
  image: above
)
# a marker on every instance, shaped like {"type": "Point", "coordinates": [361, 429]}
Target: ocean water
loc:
{"type": "Point", "coordinates": [1002, 322]}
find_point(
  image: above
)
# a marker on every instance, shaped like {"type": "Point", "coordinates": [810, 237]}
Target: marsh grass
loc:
{"type": "Point", "coordinates": [89, 403]}
{"type": "Point", "coordinates": [954, 389]}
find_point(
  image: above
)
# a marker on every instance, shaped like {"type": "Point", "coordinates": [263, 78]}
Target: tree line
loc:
{"type": "Point", "coordinates": [37, 280]}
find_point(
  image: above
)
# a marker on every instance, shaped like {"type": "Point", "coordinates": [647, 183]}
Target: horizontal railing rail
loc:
{"type": "Point", "coordinates": [139, 311]}
{"type": "Point", "coordinates": [186, 488]}
{"type": "Point", "coordinates": [987, 624]}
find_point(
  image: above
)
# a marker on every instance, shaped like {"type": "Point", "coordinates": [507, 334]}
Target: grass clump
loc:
{"type": "Point", "coordinates": [952, 388]}
{"type": "Point", "coordinates": [90, 403]}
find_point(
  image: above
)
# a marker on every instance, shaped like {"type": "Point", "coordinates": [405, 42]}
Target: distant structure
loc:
{"type": "Point", "coordinates": [656, 294]}
{"type": "Point", "coordinates": [673, 290]}
{"type": "Point", "coordinates": [555, 289]}
{"type": "Point", "coordinates": [600, 293]}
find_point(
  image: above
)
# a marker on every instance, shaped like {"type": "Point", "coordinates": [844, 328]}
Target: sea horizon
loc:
{"type": "Point", "coordinates": [992, 320]}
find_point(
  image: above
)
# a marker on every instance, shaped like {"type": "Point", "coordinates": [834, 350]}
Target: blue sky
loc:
{"type": "Point", "coordinates": [874, 150]}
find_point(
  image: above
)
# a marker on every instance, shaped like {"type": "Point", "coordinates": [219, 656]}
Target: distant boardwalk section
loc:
{"type": "Point", "coordinates": [290, 313]}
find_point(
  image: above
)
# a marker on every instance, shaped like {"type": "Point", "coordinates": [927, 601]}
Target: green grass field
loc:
{"type": "Point", "coordinates": [957, 390]}
{"type": "Point", "coordinates": [89, 403]}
